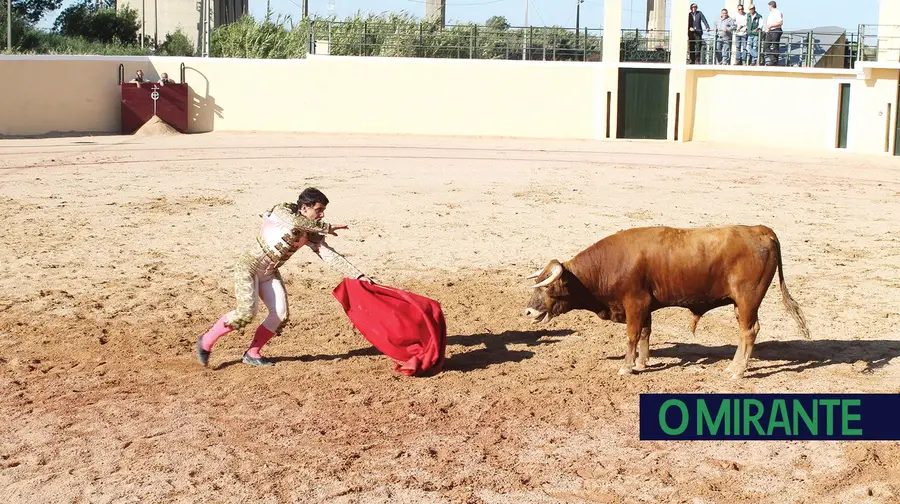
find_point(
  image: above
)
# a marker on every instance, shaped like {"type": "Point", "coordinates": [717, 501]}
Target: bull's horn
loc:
{"type": "Point", "coordinates": [555, 272]}
{"type": "Point", "coordinates": [535, 274]}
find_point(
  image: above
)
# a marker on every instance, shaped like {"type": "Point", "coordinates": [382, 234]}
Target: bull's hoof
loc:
{"type": "Point", "coordinates": [737, 375]}
{"type": "Point", "coordinates": [625, 371]}
{"type": "Point", "coordinates": [639, 367]}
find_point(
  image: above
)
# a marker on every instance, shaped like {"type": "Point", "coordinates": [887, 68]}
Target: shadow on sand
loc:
{"type": "Point", "coordinates": [773, 357]}
{"type": "Point", "coordinates": [495, 351]}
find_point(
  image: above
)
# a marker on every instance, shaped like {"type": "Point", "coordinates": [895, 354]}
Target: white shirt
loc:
{"type": "Point", "coordinates": [775, 17]}
{"type": "Point", "coordinates": [740, 24]}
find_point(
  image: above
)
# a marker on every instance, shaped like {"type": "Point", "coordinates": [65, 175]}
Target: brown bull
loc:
{"type": "Point", "coordinates": [628, 275]}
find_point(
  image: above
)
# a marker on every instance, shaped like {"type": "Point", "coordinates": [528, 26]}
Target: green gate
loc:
{"type": "Point", "coordinates": [897, 127]}
{"type": "Point", "coordinates": [643, 103]}
{"type": "Point", "coordinates": [844, 116]}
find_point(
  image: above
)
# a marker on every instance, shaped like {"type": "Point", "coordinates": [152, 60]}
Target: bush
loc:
{"type": "Point", "coordinates": [177, 44]}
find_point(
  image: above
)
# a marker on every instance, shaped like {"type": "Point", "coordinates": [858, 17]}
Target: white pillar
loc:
{"type": "Point", "coordinates": [656, 15]}
{"type": "Point", "coordinates": [888, 31]}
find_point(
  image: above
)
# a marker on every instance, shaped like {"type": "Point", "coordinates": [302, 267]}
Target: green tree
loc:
{"type": "Point", "coordinates": [95, 23]}
{"type": "Point", "coordinates": [497, 23]}
{"type": "Point", "coordinates": [33, 10]}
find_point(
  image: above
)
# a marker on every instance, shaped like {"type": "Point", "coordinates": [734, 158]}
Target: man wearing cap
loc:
{"type": "Point", "coordinates": [754, 30]}
{"type": "Point", "coordinates": [696, 21]}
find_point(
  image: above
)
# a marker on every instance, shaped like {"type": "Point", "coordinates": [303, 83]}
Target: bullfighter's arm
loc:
{"type": "Point", "coordinates": [333, 258]}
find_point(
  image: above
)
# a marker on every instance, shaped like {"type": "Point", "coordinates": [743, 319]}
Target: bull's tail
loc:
{"type": "Point", "coordinates": [789, 304]}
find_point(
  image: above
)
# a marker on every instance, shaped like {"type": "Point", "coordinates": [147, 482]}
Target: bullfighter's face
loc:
{"type": "Point", "coordinates": [315, 212]}
{"type": "Point", "coordinates": [550, 296]}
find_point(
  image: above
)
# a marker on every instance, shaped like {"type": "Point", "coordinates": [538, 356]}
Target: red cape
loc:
{"type": "Point", "coordinates": [407, 327]}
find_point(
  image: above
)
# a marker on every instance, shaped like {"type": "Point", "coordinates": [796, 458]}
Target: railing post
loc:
{"type": "Point", "coordinates": [810, 47]}
{"type": "Point", "coordinates": [543, 45]}
{"type": "Point", "coordinates": [861, 33]}
{"type": "Point", "coordinates": [362, 38]}
{"type": "Point", "coordinates": [555, 43]}
{"type": "Point", "coordinates": [584, 45]}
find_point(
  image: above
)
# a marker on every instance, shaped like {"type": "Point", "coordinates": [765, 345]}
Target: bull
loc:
{"type": "Point", "coordinates": [627, 276]}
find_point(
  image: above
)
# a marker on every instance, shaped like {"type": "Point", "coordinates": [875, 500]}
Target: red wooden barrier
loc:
{"type": "Point", "coordinates": [137, 105]}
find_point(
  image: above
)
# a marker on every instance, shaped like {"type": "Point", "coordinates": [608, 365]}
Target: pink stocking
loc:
{"type": "Point", "coordinates": [218, 330]}
{"type": "Point", "coordinates": [262, 337]}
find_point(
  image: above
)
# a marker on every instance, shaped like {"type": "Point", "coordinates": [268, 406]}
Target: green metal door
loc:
{"type": "Point", "coordinates": [643, 103]}
{"type": "Point", "coordinates": [844, 116]}
{"type": "Point", "coordinates": [897, 127]}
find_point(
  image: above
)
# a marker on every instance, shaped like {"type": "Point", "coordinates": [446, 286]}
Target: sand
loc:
{"type": "Point", "coordinates": [155, 127]}
{"type": "Point", "coordinates": [118, 252]}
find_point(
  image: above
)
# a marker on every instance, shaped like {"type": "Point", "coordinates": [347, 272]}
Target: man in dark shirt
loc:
{"type": "Point", "coordinates": [696, 21]}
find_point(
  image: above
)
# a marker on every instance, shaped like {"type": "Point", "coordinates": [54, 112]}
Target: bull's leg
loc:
{"type": "Point", "coordinates": [749, 322]}
{"type": "Point", "coordinates": [740, 348]}
{"type": "Point", "coordinates": [644, 346]}
{"type": "Point", "coordinates": [635, 315]}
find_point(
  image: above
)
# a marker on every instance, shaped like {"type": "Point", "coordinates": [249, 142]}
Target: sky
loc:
{"type": "Point", "coordinates": [798, 14]}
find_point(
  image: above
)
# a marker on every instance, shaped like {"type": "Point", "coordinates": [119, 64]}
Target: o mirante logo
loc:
{"type": "Point", "coordinates": [770, 417]}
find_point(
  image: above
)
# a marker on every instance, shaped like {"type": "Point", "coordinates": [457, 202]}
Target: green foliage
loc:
{"type": "Point", "coordinates": [397, 35]}
{"type": "Point", "coordinates": [32, 10]}
{"type": "Point", "coordinates": [19, 27]}
{"type": "Point", "coordinates": [104, 24]}
{"type": "Point", "coordinates": [248, 38]}
{"type": "Point", "coordinates": [177, 44]}
{"type": "Point", "coordinates": [83, 28]}
{"type": "Point", "coordinates": [41, 42]}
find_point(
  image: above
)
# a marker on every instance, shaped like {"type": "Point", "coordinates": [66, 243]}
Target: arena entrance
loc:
{"type": "Point", "coordinates": [643, 110]}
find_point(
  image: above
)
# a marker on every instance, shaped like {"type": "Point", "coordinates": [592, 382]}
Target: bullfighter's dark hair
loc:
{"type": "Point", "coordinates": [310, 196]}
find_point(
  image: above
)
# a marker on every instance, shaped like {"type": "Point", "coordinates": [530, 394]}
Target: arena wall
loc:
{"type": "Point", "coordinates": [393, 96]}
{"type": "Point", "coordinates": [62, 94]}
{"type": "Point", "coordinates": [328, 94]}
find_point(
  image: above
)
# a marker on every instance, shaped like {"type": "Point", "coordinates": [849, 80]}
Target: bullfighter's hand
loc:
{"type": "Point", "coordinates": [332, 230]}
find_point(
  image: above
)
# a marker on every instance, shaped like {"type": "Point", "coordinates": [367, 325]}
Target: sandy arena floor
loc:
{"type": "Point", "coordinates": [118, 252]}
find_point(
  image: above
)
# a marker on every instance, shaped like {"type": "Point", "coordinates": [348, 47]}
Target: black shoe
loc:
{"type": "Point", "coordinates": [253, 361]}
{"type": "Point", "coordinates": [202, 355]}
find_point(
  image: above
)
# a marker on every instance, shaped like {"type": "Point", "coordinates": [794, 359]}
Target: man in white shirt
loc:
{"type": "Point", "coordinates": [773, 34]}
{"type": "Point", "coordinates": [740, 35]}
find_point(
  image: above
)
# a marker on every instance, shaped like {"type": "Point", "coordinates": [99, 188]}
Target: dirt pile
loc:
{"type": "Point", "coordinates": [156, 127]}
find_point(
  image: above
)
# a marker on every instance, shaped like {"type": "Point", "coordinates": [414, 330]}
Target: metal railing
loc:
{"type": "Point", "coordinates": [467, 41]}
{"type": "Point", "coordinates": [796, 48]}
{"type": "Point", "coordinates": [878, 42]}
{"type": "Point", "coordinates": [646, 46]}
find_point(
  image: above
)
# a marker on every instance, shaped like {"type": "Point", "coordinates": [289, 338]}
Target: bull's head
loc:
{"type": "Point", "coordinates": [551, 294]}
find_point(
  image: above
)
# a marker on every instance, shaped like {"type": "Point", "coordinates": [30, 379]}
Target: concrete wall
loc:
{"type": "Point", "coordinates": [793, 109]}
{"type": "Point", "coordinates": [394, 95]}
{"type": "Point", "coordinates": [789, 107]}
{"type": "Point", "coordinates": [790, 110]}
{"type": "Point", "coordinates": [873, 112]}
{"type": "Point", "coordinates": [40, 95]}
{"type": "Point", "coordinates": [320, 94]}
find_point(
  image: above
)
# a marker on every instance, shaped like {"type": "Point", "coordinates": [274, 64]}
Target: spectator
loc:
{"type": "Point", "coordinates": [740, 35]}
{"type": "Point", "coordinates": [754, 29]}
{"type": "Point", "coordinates": [696, 21]}
{"type": "Point", "coordinates": [164, 79]}
{"type": "Point", "coordinates": [773, 34]}
{"type": "Point", "coordinates": [138, 77]}
{"type": "Point", "coordinates": [724, 32]}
